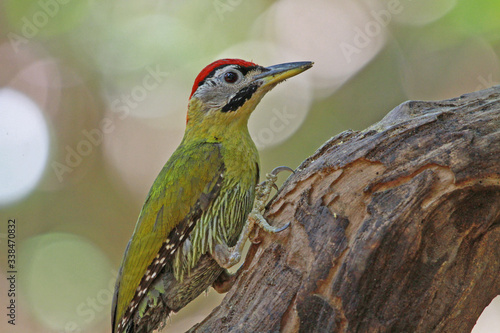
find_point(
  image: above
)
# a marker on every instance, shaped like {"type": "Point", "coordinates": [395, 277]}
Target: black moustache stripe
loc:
{"type": "Point", "coordinates": [240, 98]}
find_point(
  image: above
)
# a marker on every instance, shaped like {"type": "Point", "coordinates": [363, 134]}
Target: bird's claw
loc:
{"type": "Point", "coordinates": [264, 189]}
{"type": "Point", "coordinates": [227, 257]}
{"type": "Point", "coordinates": [279, 169]}
{"type": "Point", "coordinates": [280, 229]}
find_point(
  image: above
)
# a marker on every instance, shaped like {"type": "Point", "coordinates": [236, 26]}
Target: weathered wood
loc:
{"type": "Point", "coordinates": [393, 229]}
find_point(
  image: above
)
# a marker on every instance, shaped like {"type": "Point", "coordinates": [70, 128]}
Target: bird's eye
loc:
{"type": "Point", "coordinates": [230, 77]}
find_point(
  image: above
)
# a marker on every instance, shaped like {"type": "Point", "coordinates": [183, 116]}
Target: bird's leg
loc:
{"type": "Point", "coordinates": [227, 257]}
{"type": "Point", "coordinates": [263, 190]}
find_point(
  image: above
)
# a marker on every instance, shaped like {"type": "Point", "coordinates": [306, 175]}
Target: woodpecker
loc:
{"type": "Point", "coordinates": [193, 223]}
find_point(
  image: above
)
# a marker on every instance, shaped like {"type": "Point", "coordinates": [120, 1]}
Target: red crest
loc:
{"type": "Point", "coordinates": [213, 66]}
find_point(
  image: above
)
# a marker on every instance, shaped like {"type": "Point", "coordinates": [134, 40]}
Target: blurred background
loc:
{"type": "Point", "coordinates": [93, 97]}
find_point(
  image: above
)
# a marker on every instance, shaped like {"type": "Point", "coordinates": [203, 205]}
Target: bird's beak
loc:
{"type": "Point", "coordinates": [278, 73]}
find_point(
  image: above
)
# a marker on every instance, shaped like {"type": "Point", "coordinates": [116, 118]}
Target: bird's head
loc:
{"type": "Point", "coordinates": [227, 91]}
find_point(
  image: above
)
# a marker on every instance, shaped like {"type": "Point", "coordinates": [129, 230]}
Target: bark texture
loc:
{"type": "Point", "coordinates": [393, 229]}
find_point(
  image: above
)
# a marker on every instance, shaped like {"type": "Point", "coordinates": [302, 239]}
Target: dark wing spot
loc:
{"type": "Point", "coordinates": [257, 174]}
{"type": "Point", "coordinates": [240, 98]}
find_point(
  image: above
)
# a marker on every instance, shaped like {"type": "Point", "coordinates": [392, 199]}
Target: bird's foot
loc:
{"type": "Point", "coordinates": [263, 190]}
{"type": "Point", "coordinates": [227, 257]}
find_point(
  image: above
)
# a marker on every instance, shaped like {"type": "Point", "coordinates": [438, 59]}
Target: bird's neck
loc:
{"type": "Point", "coordinates": [210, 125]}
{"type": "Point", "coordinates": [237, 147]}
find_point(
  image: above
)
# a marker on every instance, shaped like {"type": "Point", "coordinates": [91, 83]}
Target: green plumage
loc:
{"type": "Point", "coordinates": [190, 176]}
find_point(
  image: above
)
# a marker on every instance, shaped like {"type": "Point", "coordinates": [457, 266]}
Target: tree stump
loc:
{"type": "Point", "coordinates": [393, 229]}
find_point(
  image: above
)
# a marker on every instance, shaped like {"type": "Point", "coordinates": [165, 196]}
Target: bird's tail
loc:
{"type": "Point", "coordinates": [153, 317]}
{"type": "Point", "coordinates": [167, 295]}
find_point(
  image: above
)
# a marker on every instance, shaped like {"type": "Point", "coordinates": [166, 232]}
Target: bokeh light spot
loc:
{"type": "Point", "coordinates": [134, 43]}
{"type": "Point", "coordinates": [24, 145]}
{"type": "Point", "coordinates": [340, 37]}
{"type": "Point", "coordinates": [67, 280]}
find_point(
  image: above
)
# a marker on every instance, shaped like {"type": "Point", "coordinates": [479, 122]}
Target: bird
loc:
{"type": "Point", "coordinates": [201, 206]}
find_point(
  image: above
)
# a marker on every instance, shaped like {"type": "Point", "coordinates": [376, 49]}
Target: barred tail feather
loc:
{"type": "Point", "coordinates": [167, 295]}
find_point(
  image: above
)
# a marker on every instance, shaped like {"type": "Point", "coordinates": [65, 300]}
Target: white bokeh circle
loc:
{"type": "Point", "coordinates": [24, 145]}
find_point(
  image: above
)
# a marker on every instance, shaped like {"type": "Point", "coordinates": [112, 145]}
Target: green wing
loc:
{"type": "Point", "coordinates": [184, 189]}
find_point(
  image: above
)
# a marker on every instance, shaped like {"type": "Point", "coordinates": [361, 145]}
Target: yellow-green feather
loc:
{"type": "Point", "coordinates": [188, 175]}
